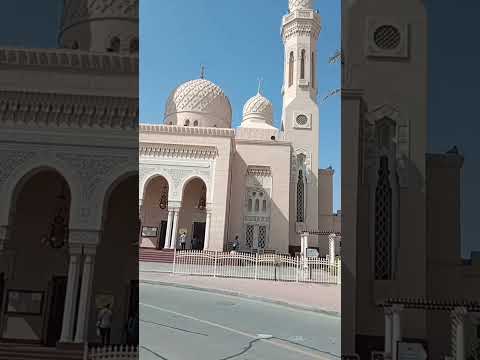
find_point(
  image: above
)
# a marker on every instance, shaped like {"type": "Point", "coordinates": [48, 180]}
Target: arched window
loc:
{"type": "Point", "coordinates": [170, 123]}
{"type": "Point", "coordinates": [249, 204]}
{"type": "Point", "coordinates": [75, 45]}
{"type": "Point", "coordinates": [290, 69]}
{"type": "Point", "coordinates": [313, 69]}
{"type": "Point", "coordinates": [302, 65]}
{"type": "Point", "coordinates": [187, 123]}
{"type": "Point", "coordinates": [134, 46]}
{"type": "Point", "coordinates": [257, 205]}
{"type": "Point", "coordinates": [195, 123]}
{"type": "Point", "coordinates": [264, 205]}
{"type": "Point", "coordinates": [114, 44]}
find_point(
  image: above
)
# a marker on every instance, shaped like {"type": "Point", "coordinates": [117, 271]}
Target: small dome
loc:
{"type": "Point", "coordinates": [300, 4]}
{"type": "Point", "coordinates": [199, 102]}
{"type": "Point", "coordinates": [258, 112]}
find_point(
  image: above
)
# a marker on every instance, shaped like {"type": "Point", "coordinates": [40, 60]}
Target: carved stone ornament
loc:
{"type": "Point", "coordinates": [401, 139]}
{"type": "Point", "coordinates": [92, 169]}
{"type": "Point", "coordinates": [10, 160]}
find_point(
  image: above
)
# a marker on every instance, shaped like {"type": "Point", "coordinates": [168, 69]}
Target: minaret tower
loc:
{"type": "Point", "coordinates": [300, 115]}
{"type": "Point", "coordinates": [100, 26]}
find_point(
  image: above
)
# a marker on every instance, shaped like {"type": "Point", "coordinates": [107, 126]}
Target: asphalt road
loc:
{"type": "Point", "coordinates": [184, 324]}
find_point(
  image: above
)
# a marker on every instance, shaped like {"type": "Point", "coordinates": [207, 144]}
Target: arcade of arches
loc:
{"type": "Point", "coordinates": [70, 271]}
{"type": "Point", "coordinates": [163, 219]}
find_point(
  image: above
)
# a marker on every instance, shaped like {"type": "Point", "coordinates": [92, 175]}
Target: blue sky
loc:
{"type": "Point", "coordinates": [238, 42]}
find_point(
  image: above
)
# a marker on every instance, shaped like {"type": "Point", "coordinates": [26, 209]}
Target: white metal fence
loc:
{"type": "Point", "coordinates": [113, 352]}
{"type": "Point", "coordinates": [257, 266]}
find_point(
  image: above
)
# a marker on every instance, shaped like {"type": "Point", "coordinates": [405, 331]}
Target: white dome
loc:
{"type": "Point", "coordinates": [258, 112]}
{"type": "Point", "coordinates": [300, 4]}
{"type": "Point", "coordinates": [198, 102]}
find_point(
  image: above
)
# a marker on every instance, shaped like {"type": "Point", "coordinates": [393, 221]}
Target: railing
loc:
{"type": "Point", "coordinates": [257, 266]}
{"type": "Point", "coordinates": [113, 352]}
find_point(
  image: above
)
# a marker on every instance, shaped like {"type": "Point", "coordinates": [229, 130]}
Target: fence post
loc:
{"type": "Point", "coordinates": [296, 268]}
{"type": "Point", "coordinates": [174, 259]}
{"type": "Point", "coordinates": [215, 264]}
{"type": "Point", "coordinates": [256, 266]}
{"type": "Point", "coordinates": [339, 271]}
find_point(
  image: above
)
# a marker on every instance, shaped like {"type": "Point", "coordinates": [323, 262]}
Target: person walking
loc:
{"type": "Point", "coordinates": [183, 240]}
{"type": "Point", "coordinates": [104, 324]}
{"type": "Point", "coordinates": [236, 243]}
{"type": "Point", "coordinates": [132, 330]}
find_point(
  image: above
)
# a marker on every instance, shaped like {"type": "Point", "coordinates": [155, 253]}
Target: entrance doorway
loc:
{"type": "Point", "coordinates": [57, 290]}
{"type": "Point", "coordinates": [163, 235]}
{"type": "Point", "coordinates": [199, 233]}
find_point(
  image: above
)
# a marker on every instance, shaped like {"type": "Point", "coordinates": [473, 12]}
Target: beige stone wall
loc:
{"type": "Point", "coordinates": [325, 192]}
{"type": "Point", "coordinates": [390, 81]}
{"type": "Point", "coordinates": [277, 157]}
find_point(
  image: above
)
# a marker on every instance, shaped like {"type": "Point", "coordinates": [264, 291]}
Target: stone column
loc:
{"type": "Point", "coordinates": [173, 239]}
{"type": "Point", "coordinates": [83, 316]}
{"type": "Point", "coordinates": [3, 237]}
{"type": "Point", "coordinates": [458, 319]}
{"type": "Point", "coordinates": [388, 332]}
{"type": "Point", "coordinates": [304, 243]}
{"type": "Point", "coordinates": [68, 321]}
{"type": "Point", "coordinates": [396, 329]}
{"type": "Point", "coordinates": [207, 230]}
{"type": "Point", "coordinates": [331, 248]}
{"type": "Point", "coordinates": [168, 234]}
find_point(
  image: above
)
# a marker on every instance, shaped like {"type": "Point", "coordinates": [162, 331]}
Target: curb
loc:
{"type": "Point", "coordinates": [245, 296]}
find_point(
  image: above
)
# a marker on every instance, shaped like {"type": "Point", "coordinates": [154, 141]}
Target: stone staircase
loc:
{"type": "Point", "coordinates": [154, 255]}
{"type": "Point", "coordinates": [10, 351]}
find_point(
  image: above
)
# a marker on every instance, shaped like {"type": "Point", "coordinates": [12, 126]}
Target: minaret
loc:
{"type": "Point", "coordinates": [111, 26]}
{"type": "Point", "coordinates": [300, 115]}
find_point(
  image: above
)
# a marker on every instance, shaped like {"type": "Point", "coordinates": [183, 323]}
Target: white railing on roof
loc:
{"type": "Point", "coordinates": [113, 352]}
{"type": "Point", "coordinates": [257, 266]}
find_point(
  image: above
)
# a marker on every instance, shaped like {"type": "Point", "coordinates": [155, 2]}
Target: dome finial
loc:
{"type": "Point", "coordinates": [260, 84]}
{"type": "Point", "coordinates": [202, 71]}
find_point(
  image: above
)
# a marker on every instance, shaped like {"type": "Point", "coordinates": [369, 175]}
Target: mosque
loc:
{"type": "Point", "coordinates": [200, 176]}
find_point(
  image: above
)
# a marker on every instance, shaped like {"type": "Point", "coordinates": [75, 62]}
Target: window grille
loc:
{"type": "Point", "coordinates": [262, 236]}
{"type": "Point", "coordinates": [300, 198]}
{"type": "Point", "coordinates": [383, 223]}
{"type": "Point", "coordinates": [249, 235]}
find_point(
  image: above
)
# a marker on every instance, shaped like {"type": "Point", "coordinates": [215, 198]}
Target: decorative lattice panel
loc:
{"type": "Point", "coordinates": [383, 223]}
{"type": "Point", "coordinates": [249, 235]}
{"type": "Point", "coordinates": [387, 37]}
{"type": "Point", "coordinates": [300, 198]}
{"type": "Point", "coordinates": [262, 236]}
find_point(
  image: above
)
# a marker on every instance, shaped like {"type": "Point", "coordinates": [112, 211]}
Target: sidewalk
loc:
{"type": "Point", "coordinates": [313, 297]}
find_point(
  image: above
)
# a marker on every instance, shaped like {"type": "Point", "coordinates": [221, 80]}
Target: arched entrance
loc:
{"type": "Point", "coordinates": [193, 213]}
{"type": "Point", "coordinates": [34, 298]}
{"type": "Point", "coordinates": [116, 265]}
{"type": "Point", "coordinates": [155, 213]}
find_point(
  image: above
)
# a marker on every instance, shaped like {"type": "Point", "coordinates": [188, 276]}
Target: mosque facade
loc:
{"type": "Point", "coordinates": [257, 182]}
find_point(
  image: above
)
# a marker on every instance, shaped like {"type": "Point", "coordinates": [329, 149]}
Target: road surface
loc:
{"type": "Point", "coordinates": [185, 324]}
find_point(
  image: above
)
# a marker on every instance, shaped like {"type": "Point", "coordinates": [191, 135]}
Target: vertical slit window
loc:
{"type": "Point", "coordinates": [290, 69]}
{"type": "Point", "coordinates": [312, 60]}
{"type": "Point", "coordinates": [302, 65]}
